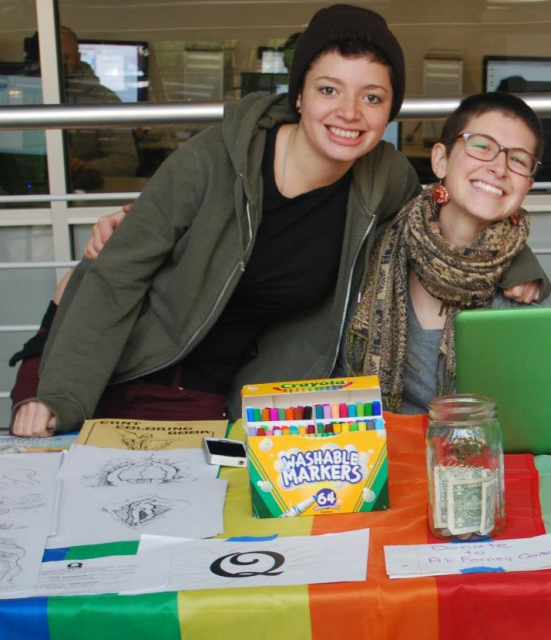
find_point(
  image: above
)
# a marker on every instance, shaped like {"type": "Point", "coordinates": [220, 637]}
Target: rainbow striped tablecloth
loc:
{"type": "Point", "coordinates": [468, 607]}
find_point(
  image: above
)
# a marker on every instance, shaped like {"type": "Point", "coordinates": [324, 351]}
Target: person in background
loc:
{"type": "Point", "coordinates": [289, 49]}
{"type": "Point", "coordinates": [447, 250]}
{"type": "Point", "coordinates": [94, 153]}
{"type": "Point", "coordinates": [239, 261]}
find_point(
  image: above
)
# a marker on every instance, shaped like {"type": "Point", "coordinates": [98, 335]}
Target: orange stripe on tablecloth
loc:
{"type": "Point", "coordinates": [380, 608]}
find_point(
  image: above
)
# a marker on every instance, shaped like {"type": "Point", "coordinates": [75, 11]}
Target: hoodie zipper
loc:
{"type": "Point", "coordinates": [348, 287]}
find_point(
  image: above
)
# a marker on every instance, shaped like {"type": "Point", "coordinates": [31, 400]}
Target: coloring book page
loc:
{"type": "Point", "coordinates": [93, 515]}
{"type": "Point", "coordinates": [27, 499]}
{"type": "Point", "coordinates": [103, 467]}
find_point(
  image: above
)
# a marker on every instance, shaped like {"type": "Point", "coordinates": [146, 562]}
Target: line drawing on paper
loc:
{"type": "Point", "coordinates": [143, 441]}
{"type": "Point", "coordinates": [9, 448]}
{"type": "Point", "coordinates": [140, 512]}
{"type": "Point", "coordinates": [31, 501]}
{"type": "Point", "coordinates": [149, 471]}
{"type": "Point", "coordinates": [13, 477]}
{"type": "Point", "coordinates": [10, 556]}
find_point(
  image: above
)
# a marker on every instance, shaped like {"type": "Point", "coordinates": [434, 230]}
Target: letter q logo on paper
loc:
{"type": "Point", "coordinates": [266, 563]}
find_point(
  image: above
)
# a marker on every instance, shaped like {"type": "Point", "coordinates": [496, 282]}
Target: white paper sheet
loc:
{"type": "Point", "coordinates": [127, 575]}
{"type": "Point", "coordinates": [93, 515]}
{"type": "Point", "coordinates": [218, 564]}
{"type": "Point", "coordinates": [103, 467]}
{"type": "Point", "coordinates": [521, 554]}
{"type": "Point", "coordinates": [27, 496]}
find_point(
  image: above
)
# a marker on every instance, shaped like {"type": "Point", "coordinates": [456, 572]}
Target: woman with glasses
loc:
{"type": "Point", "coordinates": [447, 250]}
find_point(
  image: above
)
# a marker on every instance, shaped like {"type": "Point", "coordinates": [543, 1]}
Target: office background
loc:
{"type": "Point", "coordinates": [209, 50]}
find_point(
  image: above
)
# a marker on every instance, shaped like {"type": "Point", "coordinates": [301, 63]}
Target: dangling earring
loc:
{"type": "Point", "coordinates": [515, 219]}
{"type": "Point", "coordinates": [440, 194]}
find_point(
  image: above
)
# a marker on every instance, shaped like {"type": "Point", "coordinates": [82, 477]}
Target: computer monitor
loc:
{"type": "Point", "coordinates": [522, 74]}
{"type": "Point", "coordinates": [393, 133]}
{"type": "Point", "coordinates": [120, 65]}
{"type": "Point", "coordinates": [267, 83]}
{"type": "Point", "coordinates": [23, 164]}
{"type": "Point", "coordinates": [498, 70]}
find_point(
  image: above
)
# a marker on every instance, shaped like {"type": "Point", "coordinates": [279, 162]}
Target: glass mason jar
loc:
{"type": "Point", "coordinates": [465, 468]}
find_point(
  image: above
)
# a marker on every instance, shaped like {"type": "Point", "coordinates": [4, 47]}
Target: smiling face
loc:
{"type": "Point", "coordinates": [482, 192]}
{"type": "Point", "coordinates": [345, 106]}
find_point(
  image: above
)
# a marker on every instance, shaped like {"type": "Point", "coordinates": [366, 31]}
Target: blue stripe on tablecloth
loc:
{"type": "Point", "coordinates": [24, 619]}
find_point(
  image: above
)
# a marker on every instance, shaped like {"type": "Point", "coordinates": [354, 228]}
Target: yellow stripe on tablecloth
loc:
{"type": "Point", "coordinates": [273, 612]}
{"type": "Point", "coordinates": [269, 613]}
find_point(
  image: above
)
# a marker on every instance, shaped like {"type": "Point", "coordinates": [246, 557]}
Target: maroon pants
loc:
{"type": "Point", "coordinates": [136, 400]}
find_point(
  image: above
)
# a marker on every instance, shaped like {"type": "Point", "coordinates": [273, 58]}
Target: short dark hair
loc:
{"type": "Point", "coordinates": [481, 103]}
{"type": "Point", "coordinates": [356, 46]}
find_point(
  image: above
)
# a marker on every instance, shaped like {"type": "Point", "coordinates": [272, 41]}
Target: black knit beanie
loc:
{"type": "Point", "coordinates": [338, 21]}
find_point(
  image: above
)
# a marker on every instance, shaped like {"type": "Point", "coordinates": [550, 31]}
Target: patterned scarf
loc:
{"type": "Point", "coordinates": [460, 277]}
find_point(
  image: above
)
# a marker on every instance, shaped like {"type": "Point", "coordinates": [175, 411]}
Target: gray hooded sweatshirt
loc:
{"type": "Point", "coordinates": [164, 277]}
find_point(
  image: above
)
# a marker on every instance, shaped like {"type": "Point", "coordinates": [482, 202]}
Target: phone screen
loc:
{"type": "Point", "coordinates": [231, 449]}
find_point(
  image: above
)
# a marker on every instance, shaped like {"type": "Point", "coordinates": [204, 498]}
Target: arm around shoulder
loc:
{"type": "Point", "coordinates": [525, 267]}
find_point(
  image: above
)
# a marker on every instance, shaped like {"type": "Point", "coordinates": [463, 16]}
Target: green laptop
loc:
{"type": "Point", "coordinates": [506, 353]}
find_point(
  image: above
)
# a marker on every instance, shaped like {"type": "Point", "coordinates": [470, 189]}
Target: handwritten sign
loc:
{"type": "Point", "coordinates": [522, 554]}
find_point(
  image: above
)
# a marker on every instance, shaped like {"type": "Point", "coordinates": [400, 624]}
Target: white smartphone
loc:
{"type": "Point", "coordinates": [227, 453]}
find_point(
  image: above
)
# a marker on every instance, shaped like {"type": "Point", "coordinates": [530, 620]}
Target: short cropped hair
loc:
{"type": "Point", "coordinates": [481, 103]}
{"type": "Point", "coordinates": [356, 46]}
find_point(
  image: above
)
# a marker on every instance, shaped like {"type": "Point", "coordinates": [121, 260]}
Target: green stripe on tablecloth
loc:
{"type": "Point", "coordinates": [112, 617]}
{"type": "Point", "coordinates": [543, 465]}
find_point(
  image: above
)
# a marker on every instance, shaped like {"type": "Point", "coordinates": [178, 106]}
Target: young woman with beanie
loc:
{"type": "Point", "coordinates": [240, 259]}
{"type": "Point", "coordinates": [447, 250]}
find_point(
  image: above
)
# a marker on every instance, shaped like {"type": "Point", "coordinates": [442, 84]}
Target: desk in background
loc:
{"type": "Point", "coordinates": [506, 606]}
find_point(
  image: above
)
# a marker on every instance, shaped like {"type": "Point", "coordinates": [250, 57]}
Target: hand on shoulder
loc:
{"type": "Point", "coordinates": [103, 230]}
{"type": "Point", "coordinates": [526, 292]}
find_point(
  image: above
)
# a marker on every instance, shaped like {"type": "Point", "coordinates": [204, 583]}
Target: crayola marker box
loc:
{"type": "Point", "coordinates": [316, 447]}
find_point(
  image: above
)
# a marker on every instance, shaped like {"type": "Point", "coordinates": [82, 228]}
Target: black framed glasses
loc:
{"type": "Point", "coordinates": [485, 148]}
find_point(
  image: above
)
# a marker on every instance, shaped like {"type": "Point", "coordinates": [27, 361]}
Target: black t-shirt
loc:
{"type": "Point", "coordinates": [293, 267]}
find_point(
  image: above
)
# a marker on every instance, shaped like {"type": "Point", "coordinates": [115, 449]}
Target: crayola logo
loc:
{"type": "Point", "coordinates": [313, 385]}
